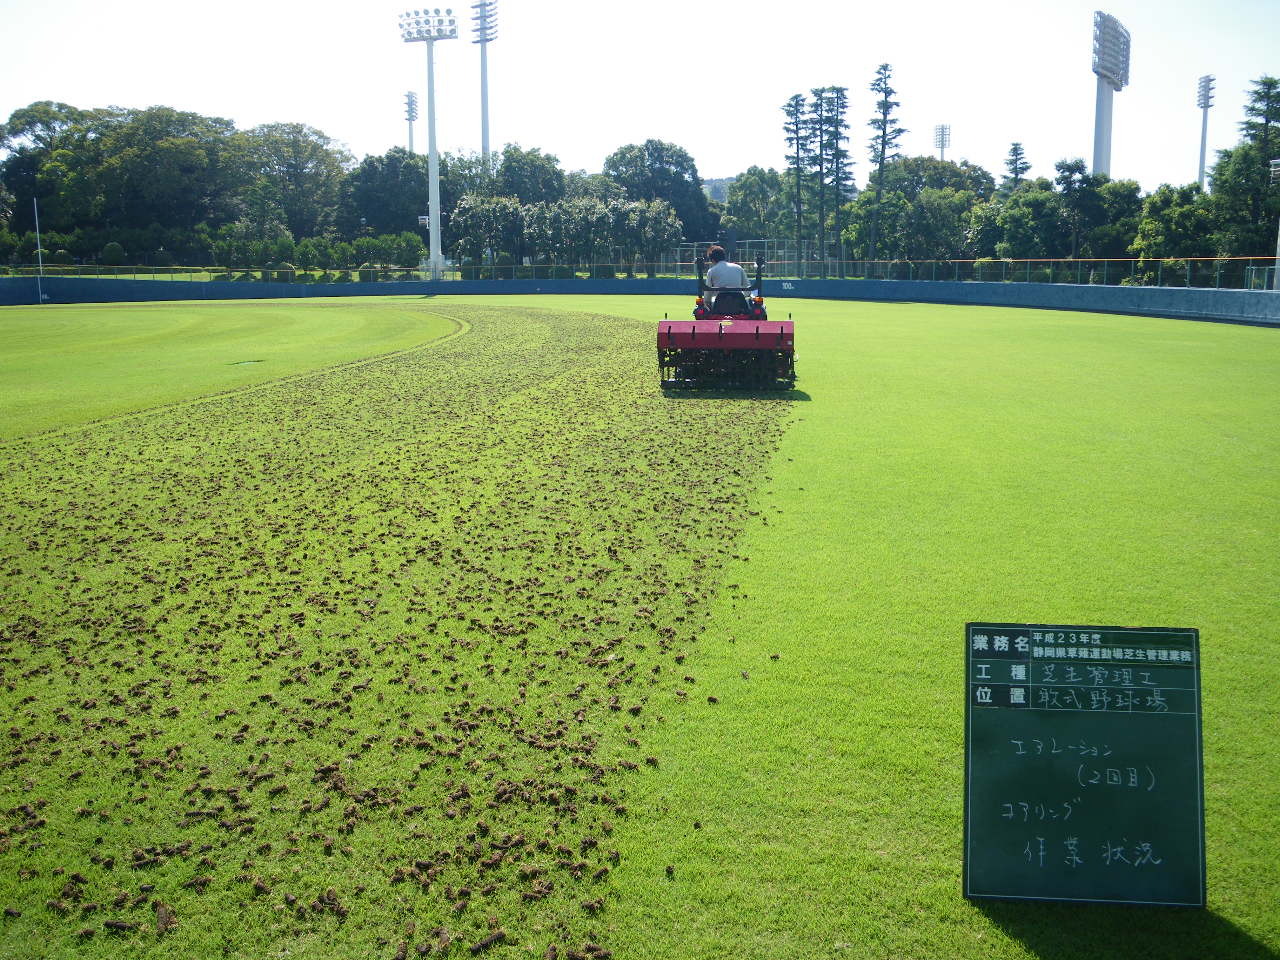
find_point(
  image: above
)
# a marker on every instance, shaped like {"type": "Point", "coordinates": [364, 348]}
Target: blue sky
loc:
{"type": "Point", "coordinates": [580, 78]}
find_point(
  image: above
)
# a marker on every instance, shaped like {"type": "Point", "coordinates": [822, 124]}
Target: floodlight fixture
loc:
{"type": "Point", "coordinates": [486, 21]}
{"type": "Point", "coordinates": [1204, 100]}
{"type": "Point", "coordinates": [429, 25]}
{"type": "Point", "coordinates": [1204, 92]}
{"type": "Point", "coordinates": [942, 139]}
{"type": "Point", "coordinates": [486, 27]}
{"type": "Point", "coordinates": [1110, 50]}
{"type": "Point", "coordinates": [1111, 46]}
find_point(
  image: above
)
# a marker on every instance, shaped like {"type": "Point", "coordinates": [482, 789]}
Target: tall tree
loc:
{"type": "Point", "coordinates": [911, 175]}
{"type": "Point", "coordinates": [494, 224]}
{"type": "Point", "coordinates": [829, 160]}
{"type": "Point", "coordinates": [1245, 203]}
{"type": "Point", "coordinates": [1121, 212]}
{"type": "Point", "coordinates": [579, 183]}
{"type": "Point", "coordinates": [1030, 222]}
{"type": "Point", "coordinates": [1017, 165]}
{"type": "Point", "coordinates": [883, 143]}
{"type": "Point", "coordinates": [1175, 223]}
{"type": "Point", "coordinates": [586, 228]}
{"type": "Point", "coordinates": [817, 121]}
{"type": "Point", "coordinates": [659, 230]}
{"type": "Point", "coordinates": [386, 194]}
{"type": "Point", "coordinates": [530, 176]}
{"type": "Point", "coordinates": [1079, 197]}
{"type": "Point", "coordinates": [755, 205]}
{"type": "Point", "coordinates": [839, 162]}
{"type": "Point", "coordinates": [799, 148]}
{"type": "Point", "coordinates": [1237, 193]}
{"type": "Point", "coordinates": [656, 170]}
{"type": "Point", "coordinates": [463, 175]}
{"type": "Point", "coordinates": [300, 170]}
{"type": "Point", "coordinates": [1261, 124]}
{"type": "Point", "coordinates": [40, 125]}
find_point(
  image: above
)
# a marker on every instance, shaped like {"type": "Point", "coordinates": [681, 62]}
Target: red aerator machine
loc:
{"type": "Point", "coordinates": [730, 344]}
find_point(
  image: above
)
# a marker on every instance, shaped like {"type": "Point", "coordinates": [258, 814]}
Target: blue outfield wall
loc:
{"type": "Point", "coordinates": [1232, 306]}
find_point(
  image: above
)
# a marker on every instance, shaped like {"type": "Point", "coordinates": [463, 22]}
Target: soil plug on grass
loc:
{"type": "Point", "coordinates": [491, 940]}
{"type": "Point", "coordinates": [166, 920]}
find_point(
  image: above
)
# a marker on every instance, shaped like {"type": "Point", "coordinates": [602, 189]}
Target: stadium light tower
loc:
{"type": "Point", "coordinates": [411, 113]}
{"type": "Point", "coordinates": [1204, 100]}
{"type": "Point", "coordinates": [427, 26]}
{"type": "Point", "coordinates": [486, 21]}
{"type": "Point", "coordinates": [942, 139]}
{"type": "Point", "coordinates": [1111, 64]}
{"type": "Point", "coordinates": [1275, 275]}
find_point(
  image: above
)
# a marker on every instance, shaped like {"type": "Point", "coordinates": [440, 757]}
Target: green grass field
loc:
{"type": "Point", "coordinates": [404, 637]}
{"type": "Point", "coordinates": [72, 364]}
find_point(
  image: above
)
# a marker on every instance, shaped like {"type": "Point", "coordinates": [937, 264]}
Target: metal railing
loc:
{"type": "Point", "coordinates": [1237, 273]}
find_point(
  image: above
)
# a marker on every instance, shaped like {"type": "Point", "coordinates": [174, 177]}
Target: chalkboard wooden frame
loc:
{"type": "Point", "coordinates": [1128, 696]}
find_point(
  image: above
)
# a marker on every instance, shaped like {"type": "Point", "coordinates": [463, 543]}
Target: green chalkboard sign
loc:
{"type": "Point", "coordinates": [1083, 765]}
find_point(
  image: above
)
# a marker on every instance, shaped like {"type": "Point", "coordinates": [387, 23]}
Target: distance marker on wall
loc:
{"type": "Point", "coordinates": [1083, 764]}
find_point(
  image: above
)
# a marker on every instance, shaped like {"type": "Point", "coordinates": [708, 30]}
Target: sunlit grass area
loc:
{"type": "Point", "coordinates": [449, 631]}
{"type": "Point", "coordinates": [64, 364]}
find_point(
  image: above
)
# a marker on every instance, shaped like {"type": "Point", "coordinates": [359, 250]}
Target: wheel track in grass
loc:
{"type": "Point", "coordinates": [372, 646]}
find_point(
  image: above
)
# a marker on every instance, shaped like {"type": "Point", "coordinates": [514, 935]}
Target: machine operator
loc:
{"type": "Point", "coordinates": [726, 277]}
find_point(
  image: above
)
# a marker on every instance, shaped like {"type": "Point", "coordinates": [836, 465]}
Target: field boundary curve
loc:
{"type": "Point", "coordinates": [461, 328]}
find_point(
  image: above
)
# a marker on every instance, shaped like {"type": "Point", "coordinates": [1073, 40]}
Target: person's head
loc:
{"type": "Point", "coordinates": [715, 253]}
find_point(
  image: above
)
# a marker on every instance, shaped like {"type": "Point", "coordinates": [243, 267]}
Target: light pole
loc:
{"type": "Point", "coordinates": [35, 206]}
{"type": "Point", "coordinates": [486, 21]}
{"type": "Point", "coordinates": [942, 139]}
{"type": "Point", "coordinates": [411, 113]}
{"type": "Point", "coordinates": [1111, 64]}
{"type": "Point", "coordinates": [1275, 278]}
{"type": "Point", "coordinates": [428, 26]}
{"type": "Point", "coordinates": [1204, 100]}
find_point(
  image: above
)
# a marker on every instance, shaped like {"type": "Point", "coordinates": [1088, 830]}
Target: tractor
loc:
{"type": "Point", "coordinates": [730, 344]}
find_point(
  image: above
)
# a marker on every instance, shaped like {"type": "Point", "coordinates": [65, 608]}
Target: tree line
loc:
{"type": "Point", "coordinates": [164, 186]}
{"type": "Point", "coordinates": [917, 208]}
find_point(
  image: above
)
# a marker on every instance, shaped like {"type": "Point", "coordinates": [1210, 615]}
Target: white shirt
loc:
{"type": "Point", "coordinates": [727, 276]}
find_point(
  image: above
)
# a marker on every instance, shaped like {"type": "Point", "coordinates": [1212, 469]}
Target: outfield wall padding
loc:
{"type": "Point", "coordinates": [1260, 307]}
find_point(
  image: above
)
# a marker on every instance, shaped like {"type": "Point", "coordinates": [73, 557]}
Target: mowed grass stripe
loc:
{"type": "Point", "coordinates": [960, 464]}
{"type": "Point", "coordinates": [63, 365]}
{"type": "Point", "coordinates": [308, 662]}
